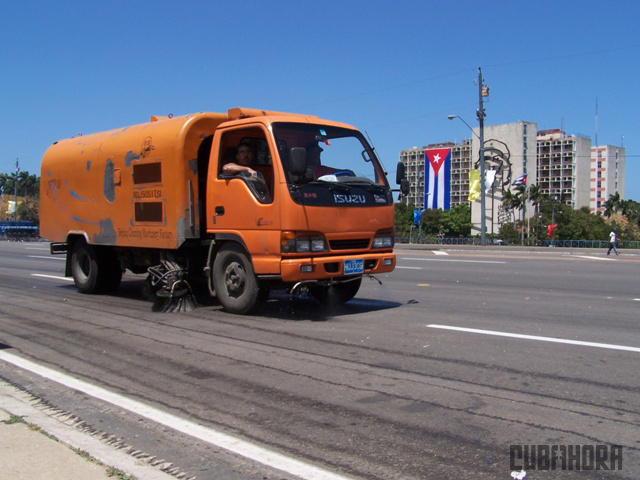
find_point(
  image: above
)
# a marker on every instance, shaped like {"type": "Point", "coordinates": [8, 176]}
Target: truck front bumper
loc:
{"type": "Point", "coordinates": [321, 268]}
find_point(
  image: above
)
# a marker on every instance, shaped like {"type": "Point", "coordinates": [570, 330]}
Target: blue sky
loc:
{"type": "Point", "coordinates": [393, 69]}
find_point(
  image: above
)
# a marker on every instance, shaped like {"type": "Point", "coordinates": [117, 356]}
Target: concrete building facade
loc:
{"type": "Point", "coordinates": [606, 175]}
{"type": "Point", "coordinates": [510, 151]}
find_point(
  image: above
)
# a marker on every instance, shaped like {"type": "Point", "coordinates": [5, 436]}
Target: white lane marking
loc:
{"type": "Point", "coordinates": [588, 257]}
{"type": "Point", "coordinates": [52, 276]}
{"type": "Point", "coordinates": [46, 258]}
{"type": "Point", "coordinates": [534, 337]}
{"type": "Point", "coordinates": [409, 268]}
{"type": "Point", "coordinates": [37, 248]}
{"type": "Point", "coordinates": [449, 260]}
{"type": "Point", "coordinates": [209, 435]}
{"type": "Point", "coordinates": [636, 299]}
{"type": "Point", "coordinates": [439, 252]}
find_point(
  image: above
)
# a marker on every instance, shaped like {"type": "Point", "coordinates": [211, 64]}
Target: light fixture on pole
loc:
{"type": "Point", "coordinates": [451, 117]}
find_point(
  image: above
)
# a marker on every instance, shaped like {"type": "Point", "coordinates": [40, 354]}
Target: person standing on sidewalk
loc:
{"type": "Point", "coordinates": [612, 242]}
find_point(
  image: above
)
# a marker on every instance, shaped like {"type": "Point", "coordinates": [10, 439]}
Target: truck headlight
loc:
{"type": "Point", "coordinates": [318, 245]}
{"type": "Point", "coordinates": [302, 242]}
{"type": "Point", "coordinates": [383, 241]}
{"type": "Point", "coordinates": [303, 245]}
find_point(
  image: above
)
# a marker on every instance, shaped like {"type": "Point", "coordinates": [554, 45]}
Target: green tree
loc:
{"type": "Point", "coordinates": [535, 196]}
{"type": "Point", "coordinates": [582, 225]}
{"type": "Point", "coordinates": [28, 210]}
{"type": "Point", "coordinates": [403, 219]}
{"type": "Point", "coordinates": [3, 182]}
{"type": "Point", "coordinates": [456, 222]}
{"type": "Point", "coordinates": [508, 203]}
{"type": "Point", "coordinates": [8, 183]}
{"type": "Point", "coordinates": [432, 222]}
{"type": "Point", "coordinates": [612, 205]}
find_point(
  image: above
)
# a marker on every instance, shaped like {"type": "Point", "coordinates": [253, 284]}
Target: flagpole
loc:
{"type": "Point", "coordinates": [481, 116]}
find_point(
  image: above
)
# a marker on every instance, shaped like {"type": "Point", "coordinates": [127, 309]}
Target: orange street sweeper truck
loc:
{"type": "Point", "coordinates": [312, 211]}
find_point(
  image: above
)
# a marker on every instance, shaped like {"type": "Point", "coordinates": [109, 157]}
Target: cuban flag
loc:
{"type": "Point", "coordinates": [521, 180]}
{"type": "Point", "coordinates": [437, 178]}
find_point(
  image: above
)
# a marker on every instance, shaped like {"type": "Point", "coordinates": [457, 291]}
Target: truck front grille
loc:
{"type": "Point", "coordinates": [351, 244]}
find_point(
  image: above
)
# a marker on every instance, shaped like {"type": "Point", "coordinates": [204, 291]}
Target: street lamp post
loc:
{"type": "Point", "coordinates": [553, 220]}
{"type": "Point", "coordinates": [15, 192]}
{"type": "Point", "coordinates": [481, 116]}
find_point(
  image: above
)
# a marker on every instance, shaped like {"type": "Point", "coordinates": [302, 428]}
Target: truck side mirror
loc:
{"type": "Point", "coordinates": [400, 173]}
{"type": "Point", "coordinates": [402, 180]}
{"type": "Point", "coordinates": [298, 161]}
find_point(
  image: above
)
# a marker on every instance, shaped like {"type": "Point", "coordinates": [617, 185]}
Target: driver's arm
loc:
{"type": "Point", "coordinates": [234, 168]}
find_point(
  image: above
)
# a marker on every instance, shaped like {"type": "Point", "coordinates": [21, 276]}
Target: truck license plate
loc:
{"type": "Point", "coordinates": [353, 266]}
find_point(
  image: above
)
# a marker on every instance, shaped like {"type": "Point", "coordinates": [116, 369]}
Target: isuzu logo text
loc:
{"type": "Point", "coordinates": [340, 198]}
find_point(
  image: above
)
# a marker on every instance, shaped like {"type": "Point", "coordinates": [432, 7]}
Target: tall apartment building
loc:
{"type": "Point", "coordinates": [563, 166]}
{"type": "Point", "coordinates": [607, 174]}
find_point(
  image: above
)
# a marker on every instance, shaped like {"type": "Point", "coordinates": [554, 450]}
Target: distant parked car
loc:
{"type": "Point", "coordinates": [496, 241]}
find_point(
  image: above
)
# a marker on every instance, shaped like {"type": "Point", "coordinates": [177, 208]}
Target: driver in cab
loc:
{"type": "Point", "coordinates": [243, 162]}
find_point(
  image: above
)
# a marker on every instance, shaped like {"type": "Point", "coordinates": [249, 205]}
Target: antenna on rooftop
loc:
{"type": "Point", "coordinates": [596, 121]}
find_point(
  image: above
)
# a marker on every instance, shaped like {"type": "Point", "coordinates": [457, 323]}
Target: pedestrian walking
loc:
{"type": "Point", "coordinates": [612, 242]}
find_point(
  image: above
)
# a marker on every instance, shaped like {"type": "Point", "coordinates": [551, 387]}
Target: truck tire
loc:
{"type": "Point", "coordinates": [109, 270]}
{"type": "Point", "coordinates": [94, 269]}
{"type": "Point", "coordinates": [234, 280]}
{"type": "Point", "coordinates": [336, 294]}
{"type": "Point", "coordinates": [84, 267]}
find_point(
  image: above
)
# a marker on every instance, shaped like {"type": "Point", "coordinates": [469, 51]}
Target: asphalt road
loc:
{"type": "Point", "coordinates": [459, 354]}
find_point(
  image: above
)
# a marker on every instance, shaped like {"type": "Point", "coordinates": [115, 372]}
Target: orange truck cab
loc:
{"type": "Point", "coordinates": [315, 213]}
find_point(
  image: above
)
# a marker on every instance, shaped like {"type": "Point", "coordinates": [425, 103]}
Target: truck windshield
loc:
{"type": "Point", "coordinates": [334, 155]}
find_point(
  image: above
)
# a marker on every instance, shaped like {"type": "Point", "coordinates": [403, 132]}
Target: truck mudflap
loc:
{"type": "Point", "coordinates": [294, 270]}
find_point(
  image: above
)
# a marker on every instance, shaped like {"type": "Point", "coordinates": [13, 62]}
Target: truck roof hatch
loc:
{"type": "Point", "coordinates": [240, 112]}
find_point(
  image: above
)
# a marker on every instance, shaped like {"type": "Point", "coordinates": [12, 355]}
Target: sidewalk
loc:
{"type": "Point", "coordinates": [28, 451]}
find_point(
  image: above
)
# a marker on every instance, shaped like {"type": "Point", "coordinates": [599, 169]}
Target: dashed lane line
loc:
{"type": "Point", "coordinates": [67, 279]}
{"type": "Point", "coordinates": [450, 260]}
{"type": "Point", "coordinates": [537, 338]}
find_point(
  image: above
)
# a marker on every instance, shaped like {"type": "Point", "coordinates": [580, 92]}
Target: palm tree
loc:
{"type": "Point", "coordinates": [8, 184]}
{"type": "Point", "coordinates": [612, 205]}
{"type": "Point", "coordinates": [3, 182]}
{"type": "Point", "coordinates": [520, 198]}
{"type": "Point", "coordinates": [23, 181]}
{"type": "Point", "coordinates": [34, 186]}
{"type": "Point", "coordinates": [535, 196]}
{"type": "Point", "coordinates": [508, 202]}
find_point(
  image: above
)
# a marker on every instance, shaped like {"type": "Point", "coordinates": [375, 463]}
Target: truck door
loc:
{"type": "Point", "coordinates": [242, 206]}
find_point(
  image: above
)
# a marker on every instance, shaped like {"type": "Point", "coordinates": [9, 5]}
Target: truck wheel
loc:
{"type": "Point", "coordinates": [335, 294]}
{"type": "Point", "coordinates": [110, 271]}
{"type": "Point", "coordinates": [84, 267]}
{"type": "Point", "coordinates": [234, 281]}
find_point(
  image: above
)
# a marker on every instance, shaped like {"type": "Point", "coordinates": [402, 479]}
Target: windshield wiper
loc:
{"type": "Point", "coordinates": [369, 187]}
{"type": "Point", "coordinates": [340, 187]}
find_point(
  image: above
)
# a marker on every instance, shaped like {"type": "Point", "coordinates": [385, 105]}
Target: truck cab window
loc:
{"type": "Point", "coordinates": [245, 155]}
